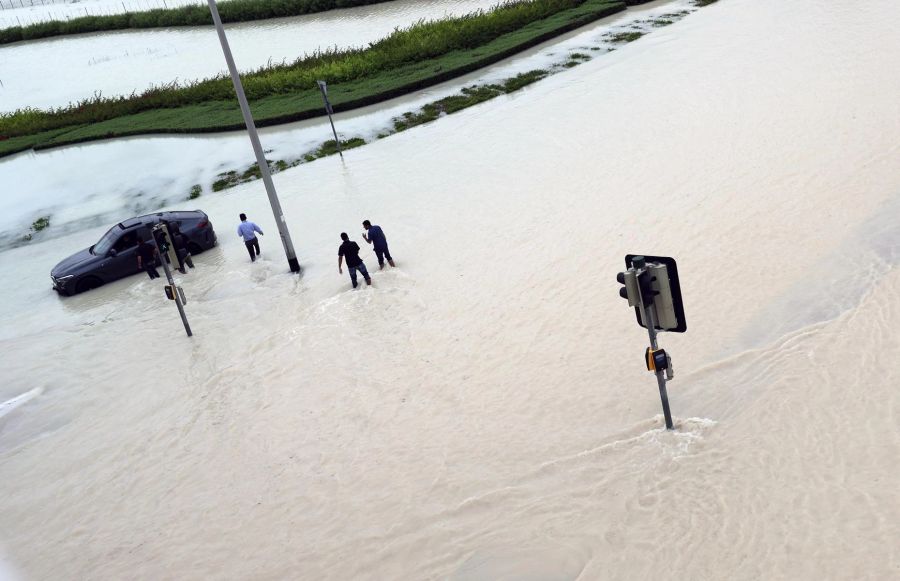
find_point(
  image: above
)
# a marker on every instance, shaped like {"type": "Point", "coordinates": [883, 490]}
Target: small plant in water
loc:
{"type": "Point", "coordinates": [196, 192]}
{"type": "Point", "coordinates": [40, 224]}
{"type": "Point", "coordinates": [626, 36]}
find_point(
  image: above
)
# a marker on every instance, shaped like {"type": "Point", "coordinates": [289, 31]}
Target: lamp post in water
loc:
{"type": "Point", "coordinates": [254, 140]}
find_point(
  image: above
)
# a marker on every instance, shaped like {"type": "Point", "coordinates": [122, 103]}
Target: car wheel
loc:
{"type": "Point", "coordinates": [194, 248]}
{"type": "Point", "coordinates": [88, 283]}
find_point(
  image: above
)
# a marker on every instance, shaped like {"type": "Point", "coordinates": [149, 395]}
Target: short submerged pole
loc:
{"type": "Point", "coordinates": [323, 86]}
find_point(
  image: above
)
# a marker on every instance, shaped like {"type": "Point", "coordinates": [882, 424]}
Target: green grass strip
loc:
{"type": "Point", "coordinates": [400, 67]}
{"type": "Point", "coordinates": [195, 15]}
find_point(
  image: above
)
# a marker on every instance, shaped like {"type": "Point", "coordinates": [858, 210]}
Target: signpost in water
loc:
{"type": "Point", "coordinates": [323, 86]}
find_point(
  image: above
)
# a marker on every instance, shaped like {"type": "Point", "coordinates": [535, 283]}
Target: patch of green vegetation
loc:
{"type": "Point", "coordinates": [330, 146]}
{"type": "Point", "coordinates": [570, 64]}
{"type": "Point", "coordinates": [226, 180]}
{"type": "Point", "coordinates": [626, 36]}
{"type": "Point", "coordinates": [408, 60]}
{"type": "Point", "coordinates": [466, 98]}
{"type": "Point", "coordinates": [660, 22]}
{"type": "Point", "coordinates": [579, 56]}
{"type": "Point", "coordinates": [702, 3]}
{"type": "Point", "coordinates": [195, 15]}
{"type": "Point", "coordinates": [40, 224]}
{"type": "Point", "coordinates": [196, 192]}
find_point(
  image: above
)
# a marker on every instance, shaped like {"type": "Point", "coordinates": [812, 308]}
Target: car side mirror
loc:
{"type": "Point", "coordinates": [111, 253]}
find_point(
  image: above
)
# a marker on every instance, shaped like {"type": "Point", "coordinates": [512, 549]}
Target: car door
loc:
{"type": "Point", "coordinates": [122, 261]}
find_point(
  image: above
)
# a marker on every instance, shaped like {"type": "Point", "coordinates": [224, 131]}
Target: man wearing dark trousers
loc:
{"type": "Point", "coordinates": [146, 258]}
{"type": "Point", "coordinates": [350, 251]}
{"type": "Point", "coordinates": [375, 236]}
{"type": "Point", "coordinates": [247, 230]}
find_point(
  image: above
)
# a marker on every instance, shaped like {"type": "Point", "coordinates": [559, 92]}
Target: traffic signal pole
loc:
{"type": "Point", "coordinates": [187, 326]}
{"type": "Point", "coordinates": [660, 374]}
{"type": "Point", "coordinates": [280, 220]}
{"type": "Point", "coordinates": [650, 284]}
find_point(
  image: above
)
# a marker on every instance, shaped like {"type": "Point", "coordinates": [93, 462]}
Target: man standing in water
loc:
{"type": "Point", "coordinates": [247, 230]}
{"type": "Point", "coordinates": [350, 251]}
{"type": "Point", "coordinates": [379, 242]}
{"type": "Point", "coordinates": [146, 257]}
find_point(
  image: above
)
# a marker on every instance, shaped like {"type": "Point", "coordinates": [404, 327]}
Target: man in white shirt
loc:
{"type": "Point", "coordinates": [247, 230]}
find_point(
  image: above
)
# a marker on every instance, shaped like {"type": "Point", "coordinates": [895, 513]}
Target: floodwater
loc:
{"type": "Point", "coordinates": [482, 411]}
{"type": "Point", "coordinates": [143, 174]}
{"type": "Point", "coordinates": [58, 71]}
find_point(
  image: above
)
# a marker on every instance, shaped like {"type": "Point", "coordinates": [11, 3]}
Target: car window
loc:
{"type": "Point", "coordinates": [106, 241]}
{"type": "Point", "coordinates": [127, 241]}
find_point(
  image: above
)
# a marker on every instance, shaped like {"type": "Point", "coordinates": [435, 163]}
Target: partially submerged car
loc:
{"type": "Point", "coordinates": [114, 255]}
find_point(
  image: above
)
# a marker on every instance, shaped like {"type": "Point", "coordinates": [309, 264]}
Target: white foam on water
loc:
{"type": "Point", "coordinates": [10, 405]}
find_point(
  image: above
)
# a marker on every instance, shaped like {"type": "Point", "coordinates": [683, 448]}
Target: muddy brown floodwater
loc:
{"type": "Point", "coordinates": [482, 411]}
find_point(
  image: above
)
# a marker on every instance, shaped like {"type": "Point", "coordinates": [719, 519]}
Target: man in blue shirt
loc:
{"type": "Point", "coordinates": [247, 230]}
{"type": "Point", "coordinates": [379, 242]}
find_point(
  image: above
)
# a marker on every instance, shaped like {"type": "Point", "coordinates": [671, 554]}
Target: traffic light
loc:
{"type": "Point", "coordinates": [651, 286]}
{"type": "Point", "coordinates": [630, 289]}
{"type": "Point", "coordinates": [163, 242]}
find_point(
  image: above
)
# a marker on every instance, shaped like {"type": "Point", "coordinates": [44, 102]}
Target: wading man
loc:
{"type": "Point", "coordinates": [350, 251]}
{"type": "Point", "coordinates": [379, 243]}
{"type": "Point", "coordinates": [146, 257]}
{"type": "Point", "coordinates": [247, 230]}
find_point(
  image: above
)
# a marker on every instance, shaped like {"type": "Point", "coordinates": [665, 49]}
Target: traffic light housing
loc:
{"type": "Point", "coordinates": [652, 282]}
{"type": "Point", "coordinates": [163, 240]}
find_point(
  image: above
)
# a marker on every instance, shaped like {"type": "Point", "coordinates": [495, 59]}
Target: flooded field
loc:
{"type": "Point", "coordinates": [145, 174]}
{"type": "Point", "coordinates": [482, 412]}
{"type": "Point", "coordinates": [57, 71]}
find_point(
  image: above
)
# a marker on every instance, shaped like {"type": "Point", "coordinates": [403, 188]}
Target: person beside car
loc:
{"type": "Point", "coordinates": [181, 249]}
{"type": "Point", "coordinates": [146, 258]}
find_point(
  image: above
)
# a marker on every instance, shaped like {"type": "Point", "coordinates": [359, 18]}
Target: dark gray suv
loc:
{"type": "Point", "coordinates": [114, 255]}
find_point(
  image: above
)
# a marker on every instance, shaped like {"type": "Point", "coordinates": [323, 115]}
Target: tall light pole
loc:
{"type": "Point", "coordinates": [254, 139]}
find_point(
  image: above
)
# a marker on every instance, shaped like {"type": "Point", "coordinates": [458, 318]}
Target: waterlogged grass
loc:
{"type": "Point", "coordinates": [425, 54]}
{"type": "Point", "coordinates": [196, 192]}
{"type": "Point", "coordinates": [467, 97]}
{"type": "Point", "coordinates": [41, 223]}
{"type": "Point", "coordinates": [196, 15]}
{"type": "Point", "coordinates": [233, 178]}
{"type": "Point", "coordinates": [629, 36]}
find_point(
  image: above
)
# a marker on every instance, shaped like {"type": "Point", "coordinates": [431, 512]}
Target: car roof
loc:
{"type": "Point", "coordinates": [154, 218]}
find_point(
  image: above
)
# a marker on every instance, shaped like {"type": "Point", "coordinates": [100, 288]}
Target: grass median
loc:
{"type": "Point", "coordinates": [406, 61]}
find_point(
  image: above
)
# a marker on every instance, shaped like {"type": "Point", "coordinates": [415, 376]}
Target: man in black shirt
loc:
{"type": "Point", "coordinates": [146, 257]}
{"type": "Point", "coordinates": [350, 251]}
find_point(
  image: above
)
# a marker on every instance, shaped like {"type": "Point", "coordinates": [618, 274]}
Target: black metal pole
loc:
{"type": "Point", "coordinates": [650, 319]}
{"type": "Point", "coordinates": [187, 326]}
